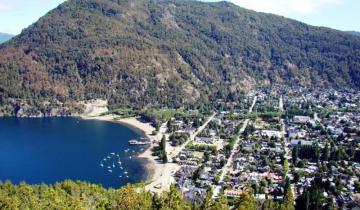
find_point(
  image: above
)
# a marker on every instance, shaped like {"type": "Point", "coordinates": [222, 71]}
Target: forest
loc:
{"type": "Point", "coordinates": [70, 195]}
{"type": "Point", "coordinates": [156, 53]}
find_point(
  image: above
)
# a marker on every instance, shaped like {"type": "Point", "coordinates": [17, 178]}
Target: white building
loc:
{"type": "Point", "coordinates": [270, 133]}
{"type": "Point", "coordinates": [301, 119]}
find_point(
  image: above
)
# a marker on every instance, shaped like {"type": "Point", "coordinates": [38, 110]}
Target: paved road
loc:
{"type": "Point", "coordinates": [165, 171]}
{"type": "Point", "coordinates": [286, 141]}
{"type": "Point", "coordinates": [177, 150]}
{"type": "Point", "coordinates": [228, 164]}
{"type": "Point", "coordinates": [281, 104]}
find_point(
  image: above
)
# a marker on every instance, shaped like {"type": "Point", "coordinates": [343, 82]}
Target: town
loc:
{"type": "Point", "coordinates": [272, 142]}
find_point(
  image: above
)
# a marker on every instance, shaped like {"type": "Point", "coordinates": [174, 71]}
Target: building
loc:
{"type": "Point", "coordinates": [301, 142]}
{"type": "Point", "coordinates": [297, 134]}
{"type": "Point", "coordinates": [301, 119]}
{"type": "Point", "coordinates": [270, 133]}
{"type": "Point", "coordinates": [233, 193]}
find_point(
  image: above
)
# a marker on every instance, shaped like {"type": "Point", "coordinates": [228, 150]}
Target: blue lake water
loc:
{"type": "Point", "coordinates": [49, 150]}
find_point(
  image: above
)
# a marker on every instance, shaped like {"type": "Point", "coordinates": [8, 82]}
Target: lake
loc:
{"type": "Point", "coordinates": [49, 150]}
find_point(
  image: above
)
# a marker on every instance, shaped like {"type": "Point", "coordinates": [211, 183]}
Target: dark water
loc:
{"type": "Point", "coordinates": [50, 150]}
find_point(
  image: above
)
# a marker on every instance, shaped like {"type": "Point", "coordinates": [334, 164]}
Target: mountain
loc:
{"type": "Point", "coordinates": [355, 33]}
{"type": "Point", "coordinates": [148, 53]}
{"type": "Point", "coordinates": [5, 37]}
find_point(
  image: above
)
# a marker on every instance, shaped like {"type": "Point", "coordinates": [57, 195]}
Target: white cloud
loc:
{"type": "Point", "coordinates": [287, 7]}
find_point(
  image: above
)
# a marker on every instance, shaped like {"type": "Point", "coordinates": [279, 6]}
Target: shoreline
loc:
{"type": "Point", "coordinates": [144, 130]}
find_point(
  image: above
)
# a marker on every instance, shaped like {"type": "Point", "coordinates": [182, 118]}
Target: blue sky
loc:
{"type": "Point", "coordinates": [339, 14]}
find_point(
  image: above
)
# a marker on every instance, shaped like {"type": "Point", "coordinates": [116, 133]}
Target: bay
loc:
{"type": "Point", "coordinates": [50, 150]}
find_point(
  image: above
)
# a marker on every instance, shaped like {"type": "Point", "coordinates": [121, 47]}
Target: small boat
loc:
{"type": "Point", "coordinates": [136, 142]}
{"type": "Point", "coordinates": [127, 176]}
{"type": "Point", "coordinates": [112, 153]}
{"type": "Point", "coordinates": [121, 168]}
{"type": "Point", "coordinates": [130, 157]}
{"type": "Point", "coordinates": [120, 176]}
{"type": "Point", "coordinates": [102, 165]}
{"type": "Point", "coordinates": [108, 157]}
{"type": "Point", "coordinates": [108, 167]}
{"type": "Point", "coordinates": [125, 172]}
{"type": "Point", "coordinates": [110, 171]}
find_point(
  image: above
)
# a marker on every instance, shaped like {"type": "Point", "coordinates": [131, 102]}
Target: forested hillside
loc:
{"type": "Point", "coordinates": [70, 195]}
{"type": "Point", "coordinates": [355, 33]}
{"type": "Point", "coordinates": [148, 53]}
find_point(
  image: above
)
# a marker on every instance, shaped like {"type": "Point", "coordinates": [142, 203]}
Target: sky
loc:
{"type": "Point", "coordinates": [338, 14]}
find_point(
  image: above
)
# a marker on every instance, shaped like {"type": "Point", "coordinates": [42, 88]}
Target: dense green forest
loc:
{"type": "Point", "coordinates": [157, 53]}
{"type": "Point", "coordinates": [70, 195]}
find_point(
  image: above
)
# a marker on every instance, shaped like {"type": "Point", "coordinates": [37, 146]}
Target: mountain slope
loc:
{"type": "Point", "coordinates": [355, 33]}
{"type": "Point", "coordinates": [5, 37]}
{"type": "Point", "coordinates": [166, 53]}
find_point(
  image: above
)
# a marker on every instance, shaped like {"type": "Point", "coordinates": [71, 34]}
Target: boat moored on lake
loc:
{"type": "Point", "coordinates": [136, 142]}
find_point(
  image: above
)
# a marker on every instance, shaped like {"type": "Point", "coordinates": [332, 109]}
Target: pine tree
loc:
{"type": "Point", "coordinates": [173, 200]}
{"type": "Point", "coordinates": [220, 204]}
{"type": "Point", "coordinates": [326, 153]}
{"type": "Point", "coordinates": [286, 167]}
{"type": "Point", "coordinates": [165, 158]}
{"type": "Point", "coordinates": [246, 201]}
{"type": "Point", "coordinates": [295, 154]}
{"type": "Point", "coordinates": [208, 202]}
{"type": "Point", "coordinates": [288, 201]}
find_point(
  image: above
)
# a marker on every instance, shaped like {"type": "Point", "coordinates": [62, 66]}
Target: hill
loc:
{"type": "Point", "coordinates": [355, 33]}
{"type": "Point", "coordinates": [5, 37]}
{"type": "Point", "coordinates": [149, 53]}
{"type": "Point", "coordinates": [81, 195]}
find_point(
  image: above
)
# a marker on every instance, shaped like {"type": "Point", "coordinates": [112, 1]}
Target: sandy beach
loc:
{"type": "Point", "coordinates": [159, 175]}
{"type": "Point", "coordinates": [146, 130]}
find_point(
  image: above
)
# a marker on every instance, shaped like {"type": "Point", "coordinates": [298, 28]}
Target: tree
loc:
{"type": "Point", "coordinates": [288, 201]}
{"type": "Point", "coordinates": [303, 201]}
{"type": "Point", "coordinates": [208, 202]}
{"type": "Point", "coordinates": [269, 204]}
{"type": "Point", "coordinates": [246, 201]}
{"type": "Point", "coordinates": [131, 198]}
{"type": "Point", "coordinates": [173, 200]}
{"type": "Point", "coordinates": [165, 158]}
{"type": "Point", "coordinates": [7, 202]}
{"type": "Point", "coordinates": [295, 154]}
{"type": "Point", "coordinates": [163, 143]}
{"type": "Point", "coordinates": [326, 153]}
{"type": "Point", "coordinates": [330, 204]}
{"type": "Point", "coordinates": [286, 167]}
{"type": "Point", "coordinates": [220, 204]}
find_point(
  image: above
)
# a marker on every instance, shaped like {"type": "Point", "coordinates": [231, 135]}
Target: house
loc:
{"type": "Point", "coordinates": [233, 193]}
{"type": "Point", "coordinates": [207, 140]}
{"type": "Point", "coordinates": [297, 134]}
{"type": "Point", "coordinates": [177, 124]}
{"type": "Point", "coordinates": [301, 119]}
{"type": "Point", "coordinates": [301, 142]}
{"type": "Point", "coordinates": [269, 133]}
{"type": "Point", "coordinates": [217, 121]}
